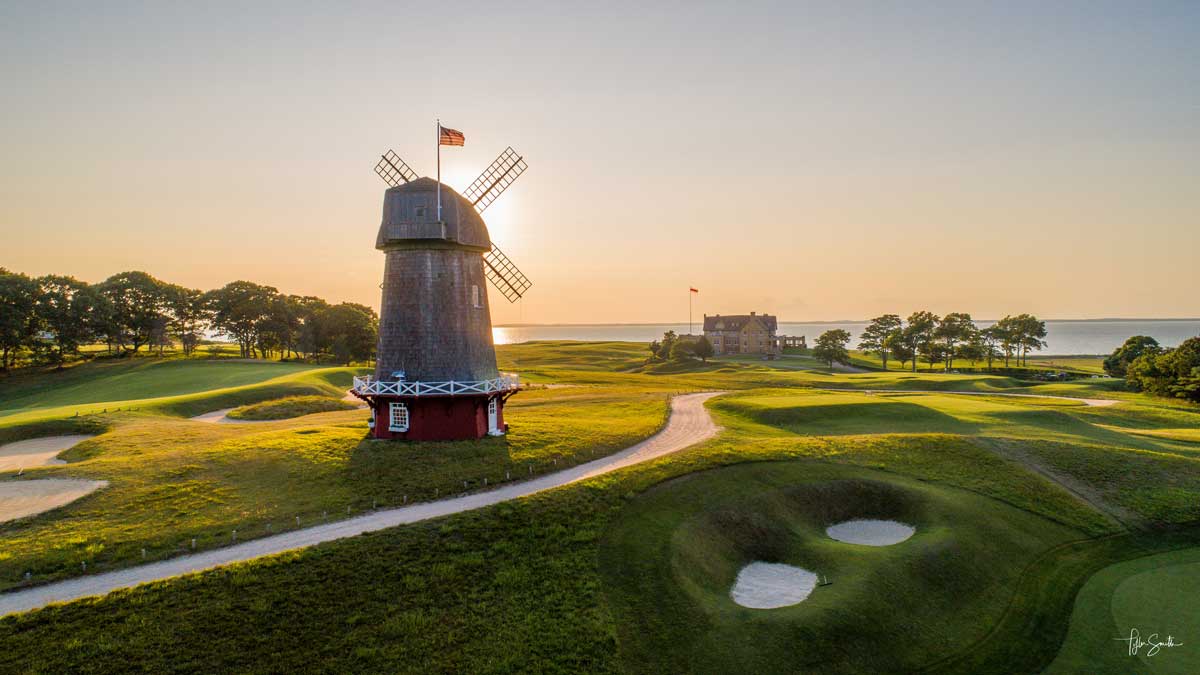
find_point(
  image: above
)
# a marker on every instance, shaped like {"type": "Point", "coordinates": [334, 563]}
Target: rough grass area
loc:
{"type": "Point", "coordinates": [669, 562]}
{"type": "Point", "coordinates": [172, 480]}
{"type": "Point", "coordinates": [289, 407]}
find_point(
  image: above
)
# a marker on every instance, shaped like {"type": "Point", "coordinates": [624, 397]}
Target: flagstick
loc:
{"type": "Point", "coordinates": [689, 310]}
{"type": "Point", "coordinates": [439, 169]}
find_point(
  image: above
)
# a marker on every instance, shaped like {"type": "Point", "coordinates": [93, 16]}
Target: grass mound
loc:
{"type": "Point", "coordinates": [287, 408]}
{"type": "Point", "coordinates": [113, 381]}
{"type": "Point", "coordinates": [669, 562]}
{"type": "Point", "coordinates": [833, 414]}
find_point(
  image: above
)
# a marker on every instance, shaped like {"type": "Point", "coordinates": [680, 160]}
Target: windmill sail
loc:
{"type": "Point", "coordinates": [495, 179]}
{"type": "Point", "coordinates": [504, 275]}
{"type": "Point", "coordinates": [393, 170]}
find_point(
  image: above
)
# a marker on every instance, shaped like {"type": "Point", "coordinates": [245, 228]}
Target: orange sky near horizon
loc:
{"type": "Point", "coordinates": [818, 163]}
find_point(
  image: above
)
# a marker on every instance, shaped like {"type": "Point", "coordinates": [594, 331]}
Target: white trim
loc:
{"type": "Point", "coordinates": [397, 416]}
{"type": "Point", "coordinates": [367, 385]}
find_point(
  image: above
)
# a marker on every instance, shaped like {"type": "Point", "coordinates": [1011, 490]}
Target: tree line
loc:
{"type": "Point", "coordinates": [938, 340]}
{"type": "Point", "coordinates": [47, 319]}
{"type": "Point", "coordinates": [1148, 366]}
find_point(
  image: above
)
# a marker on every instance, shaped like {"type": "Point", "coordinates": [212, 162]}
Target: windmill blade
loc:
{"type": "Point", "coordinates": [504, 275]}
{"type": "Point", "coordinates": [495, 179]}
{"type": "Point", "coordinates": [393, 170]}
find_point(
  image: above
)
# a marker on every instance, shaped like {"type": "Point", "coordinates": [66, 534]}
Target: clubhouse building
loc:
{"type": "Point", "coordinates": [751, 333]}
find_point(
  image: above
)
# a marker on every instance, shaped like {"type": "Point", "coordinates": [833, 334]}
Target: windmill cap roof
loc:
{"type": "Point", "coordinates": [410, 218]}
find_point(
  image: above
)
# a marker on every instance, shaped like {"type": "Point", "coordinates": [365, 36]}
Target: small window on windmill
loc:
{"type": "Point", "coordinates": [475, 298]}
{"type": "Point", "coordinates": [398, 417]}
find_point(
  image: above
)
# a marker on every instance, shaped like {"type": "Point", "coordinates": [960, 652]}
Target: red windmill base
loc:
{"type": "Point", "coordinates": [436, 411]}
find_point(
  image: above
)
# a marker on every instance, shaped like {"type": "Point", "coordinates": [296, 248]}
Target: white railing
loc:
{"type": "Point", "coordinates": [368, 385]}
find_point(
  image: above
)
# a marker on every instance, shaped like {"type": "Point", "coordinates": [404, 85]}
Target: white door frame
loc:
{"type": "Point", "coordinates": [492, 415]}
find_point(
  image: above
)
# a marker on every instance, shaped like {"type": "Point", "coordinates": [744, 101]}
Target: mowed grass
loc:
{"type": "Point", "coordinates": [1153, 594]}
{"type": "Point", "coordinates": [114, 381]}
{"type": "Point", "coordinates": [512, 588]}
{"type": "Point", "coordinates": [172, 480]}
{"type": "Point", "coordinates": [520, 587]}
{"type": "Point", "coordinates": [265, 381]}
{"type": "Point", "coordinates": [1155, 478]}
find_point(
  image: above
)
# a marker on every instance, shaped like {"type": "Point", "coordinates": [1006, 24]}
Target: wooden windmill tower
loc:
{"type": "Point", "coordinates": [435, 376]}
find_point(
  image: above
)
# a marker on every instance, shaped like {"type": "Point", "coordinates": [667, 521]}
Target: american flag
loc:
{"type": "Point", "coordinates": [451, 137]}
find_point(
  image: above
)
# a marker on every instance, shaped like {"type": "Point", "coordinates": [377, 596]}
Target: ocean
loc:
{"type": "Point", "coordinates": [1064, 338]}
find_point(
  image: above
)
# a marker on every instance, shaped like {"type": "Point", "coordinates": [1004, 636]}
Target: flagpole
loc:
{"type": "Point", "coordinates": [439, 168]}
{"type": "Point", "coordinates": [689, 310]}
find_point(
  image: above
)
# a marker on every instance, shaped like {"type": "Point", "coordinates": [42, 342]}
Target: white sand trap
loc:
{"type": "Point", "coordinates": [871, 532]}
{"type": "Point", "coordinates": [762, 585]}
{"type": "Point", "coordinates": [20, 498]}
{"type": "Point", "coordinates": [36, 451]}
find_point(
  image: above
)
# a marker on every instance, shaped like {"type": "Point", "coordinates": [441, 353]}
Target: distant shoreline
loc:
{"type": "Point", "coordinates": [668, 323]}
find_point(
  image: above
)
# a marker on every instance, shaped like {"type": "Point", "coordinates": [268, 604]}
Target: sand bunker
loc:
{"type": "Point", "coordinates": [871, 532]}
{"type": "Point", "coordinates": [20, 498]}
{"type": "Point", "coordinates": [762, 585]}
{"type": "Point", "coordinates": [36, 451]}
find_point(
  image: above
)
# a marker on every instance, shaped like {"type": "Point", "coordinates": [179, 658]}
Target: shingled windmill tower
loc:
{"type": "Point", "coordinates": [435, 375]}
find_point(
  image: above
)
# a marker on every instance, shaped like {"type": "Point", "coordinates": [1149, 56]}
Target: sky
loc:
{"type": "Point", "coordinates": [814, 161]}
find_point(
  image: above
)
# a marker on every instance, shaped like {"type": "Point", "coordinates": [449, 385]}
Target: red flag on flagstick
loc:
{"type": "Point", "coordinates": [694, 290]}
{"type": "Point", "coordinates": [451, 137]}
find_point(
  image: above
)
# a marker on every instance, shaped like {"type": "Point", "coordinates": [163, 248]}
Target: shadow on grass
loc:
{"type": "Point", "coordinates": [892, 417]}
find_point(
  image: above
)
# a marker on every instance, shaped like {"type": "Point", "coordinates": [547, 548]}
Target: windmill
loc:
{"type": "Point", "coordinates": [435, 375]}
{"type": "Point", "coordinates": [504, 275]}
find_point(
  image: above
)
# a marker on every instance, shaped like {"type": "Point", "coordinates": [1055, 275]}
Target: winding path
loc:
{"type": "Point", "coordinates": [689, 424]}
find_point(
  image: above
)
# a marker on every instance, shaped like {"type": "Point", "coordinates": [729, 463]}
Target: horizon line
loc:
{"type": "Point", "coordinates": [821, 321]}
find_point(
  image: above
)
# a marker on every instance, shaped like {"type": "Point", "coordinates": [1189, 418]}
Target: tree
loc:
{"type": "Point", "coordinates": [681, 350]}
{"type": "Point", "coordinates": [1145, 374]}
{"type": "Point", "coordinates": [1117, 363]}
{"type": "Point", "coordinates": [353, 330]}
{"type": "Point", "coordinates": [703, 348]}
{"type": "Point", "coordinates": [830, 347]}
{"type": "Point", "coordinates": [1188, 386]}
{"type": "Point", "coordinates": [918, 336]}
{"type": "Point", "coordinates": [189, 316]}
{"type": "Point", "coordinates": [138, 303]}
{"type": "Point", "coordinates": [64, 309]}
{"type": "Point", "coordinates": [991, 338]}
{"type": "Point", "coordinates": [955, 329]}
{"type": "Point", "coordinates": [974, 349]}
{"type": "Point", "coordinates": [899, 348]}
{"type": "Point", "coordinates": [18, 298]}
{"type": "Point", "coordinates": [1172, 372]}
{"type": "Point", "coordinates": [239, 310]}
{"type": "Point", "coordinates": [875, 336]}
{"type": "Point", "coordinates": [1030, 335]}
{"type": "Point", "coordinates": [312, 338]}
{"type": "Point", "coordinates": [665, 345]}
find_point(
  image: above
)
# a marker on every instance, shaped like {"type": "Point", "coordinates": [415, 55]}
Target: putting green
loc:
{"type": "Point", "coordinates": [671, 558]}
{"type": "Point", "coordinates": [1156, 596]}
